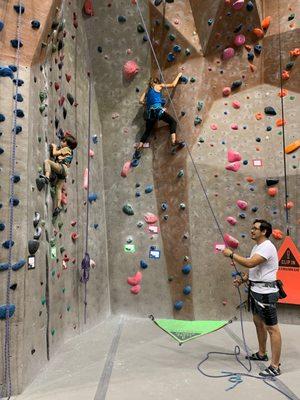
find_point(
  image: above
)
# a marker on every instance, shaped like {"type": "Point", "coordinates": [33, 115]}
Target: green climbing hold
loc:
{"type": "Point", "coordinates": [60, 224]}
{"type": "Point", "coordinates": [292, 97]}
{"type": "Point", "coordinates": [68, 308]}
{"type": "Point", "coordinates": [53, 272]}
{"type": "Point", "coordinates": [193, 80]}
{"type": "Point", "coordinates": [62, 249]}
{"type": "Point", "coordinates": [43, 301]}
{"type": "Point", "coordinates": [200, 105]}
{"type": "Point", "coordinates": [180, 173]}
{"type": "Point", "coordinates": [42, 108]}
{"type": "Point", "coordinates": [172, 36]}
{"type": "Point", "coordinates": [43, 96]}
{"type": "Point", "coordinates": [127, 209]}
{"type": "Point", "coordinates": [53, 331]}
{"type": "Point", "coordinates": [197, 120]}
{"type": "Point", "coordinates": [63, 290]}
{"type": "Point", "coordinates": [52, 242]}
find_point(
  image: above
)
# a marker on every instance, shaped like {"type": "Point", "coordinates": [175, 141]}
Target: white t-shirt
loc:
{"type": "Point", "coordinates": [267, 271]}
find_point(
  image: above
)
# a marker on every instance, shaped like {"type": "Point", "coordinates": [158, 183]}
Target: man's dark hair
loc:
{"type": "Point", "coordinates": [264, 226]}
{"type": "Point", "coordinates": [71, 141]}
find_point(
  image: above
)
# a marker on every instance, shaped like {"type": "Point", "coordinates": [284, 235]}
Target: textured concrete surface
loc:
{"type": "Point", "coordinates": [149, 364]}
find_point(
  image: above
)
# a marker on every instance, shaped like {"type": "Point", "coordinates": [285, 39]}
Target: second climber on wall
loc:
{"type": "Point", "coordinates": [153, 101]}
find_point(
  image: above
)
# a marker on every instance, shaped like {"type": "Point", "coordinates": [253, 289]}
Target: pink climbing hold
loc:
{"type": "Point", "coordinates": [91, 153]}
{"type": "Point", "coordinates": [242, 204]}
{"type": "Point", "coordinates": [135, 280]}
{"type": "Point", "coordinates": [235, 127]}
{"type": "Point", "coordinates": [236, 104]}
{"type": "Point", "coordinates": [233, 156]}
{"type": "Point", "coordinates": [214, 127]}
{"type": "Point", "coordinates": [130, 69]}
{"type": "Point", "coordinates": [231, 220]}
{"type": "Point", "coordinates": [126, 169]}
{"type": "Point", "coordinates": [74, 236]}
{"type": "Point", "coordinates": [226, 91]}
{"type": "Point", "coordinates": [150, 218]}
{"type": "Point", "coordinates": [228, 53]}
{"type": "Point", "coordinates": [238, 4]}
{"type": "Point", "coordinates": [230, 241]}
{"type": "Point", "coordinates": [86, 178]}
{"type": "Point", "coordinates": [239, 40]}
{"type": "Point", "coordinates": [235, 166]}
{"type": "Point", "coordinates": [136, 289]}
{"type": "Point", "coordinates": [88, 8]}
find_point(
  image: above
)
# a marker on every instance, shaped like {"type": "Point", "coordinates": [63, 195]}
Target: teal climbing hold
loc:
{"type": "Point", "coordinates": [197, 120]}
{"type": "Point", "coordinates": [178, 305]}
{"type": "Point", "coordinates": [180, 173]}
{"type": "Point", "coordinates": [200, 105]}
{"type": "Point", "coordinates": [149, 189]}
{"type": "Point", "coordinates": [43, 96]}
{"type": "Point", "coordinates": [11, 310]}
{"type": "Point", "coordinates": [127, 209]}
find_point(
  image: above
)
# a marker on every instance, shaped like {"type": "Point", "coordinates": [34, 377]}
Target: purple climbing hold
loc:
{"type": "Point", "coordinates": [85, 266]}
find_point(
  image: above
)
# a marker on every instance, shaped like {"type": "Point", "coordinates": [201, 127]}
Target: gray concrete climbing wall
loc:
{"type": "Point", "coordinates": [50, 299]}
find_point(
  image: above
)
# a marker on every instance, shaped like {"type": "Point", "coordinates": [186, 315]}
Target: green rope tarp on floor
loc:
{"type": "Point", "coordinates": [183, 331]}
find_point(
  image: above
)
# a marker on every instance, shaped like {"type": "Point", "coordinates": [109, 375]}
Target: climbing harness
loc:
{"type": "Point", "coordinates": [237, 348]}
{"type": "Point", "coordinates": [7, 386]}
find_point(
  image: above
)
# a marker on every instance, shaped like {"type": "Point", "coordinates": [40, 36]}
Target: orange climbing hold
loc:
{"type": "Point", "coordinates": [289, 205]}
{"type": "Point", "coordinates": [272, 191]}
{"type": "Point", "coordinates": [250, 179]}
{"type": "Point", "coordinates": [280, 122]}
{"type": "Point", "coordinates": [282, 93]}
{"type": "Point", "coordinates": [277, 234]}
{"type": "Point", "coordinates": [292, 147]}
{"type": "Point", "coordinates": [295, 52]}
{"type": "Point", "coordinates": [259, 33]}
{"type": "Point", "coordinates": [259, 116]}
{"type": "Point", "coordinates": [252, 67]}
{"type": "Point", "coordinates": [248, 47]}
{"type": "Point", "coordinates": [266, 23]}
{"type": "Point", "coordinates": [285, 75]}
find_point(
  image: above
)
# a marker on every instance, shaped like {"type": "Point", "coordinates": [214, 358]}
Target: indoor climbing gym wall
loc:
{"type": "Point", "coordinates": [139, 233]}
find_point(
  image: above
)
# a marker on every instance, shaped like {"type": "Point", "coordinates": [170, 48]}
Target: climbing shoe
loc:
{"type": "Point", "coordinates": [270, 372]}
{"type": "Point", "coordinates": [46, 180]}
{"type": "Point", "coordinates": [37, 233]}
{"type": "Point", "coordinates": [137, 154]}
{"type": "Point", "coordinates": [179, 144]}
{"type": "Point", "coordinates": [257, 357]}
{"type": "Point", "coordinates": [56, 212]}
{"type": "Point", "coordinates": [36, 219]}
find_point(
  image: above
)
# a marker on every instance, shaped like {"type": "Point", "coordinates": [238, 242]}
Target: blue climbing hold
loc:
{"type": "Point", "coordinates": [145, 38]}
{"type": "Point", "coordinates": [135, 162]}
{"type": "Point", "coordinates": [149, 189]}
{"type": "Point", "coordinates": [95, 139]}
{"type": "Point", "coordinates": [96, 226]}
{"type": "Point", "coordinates": [178, 305]}
{"type": "Point", "coordinates": [137, 194]}
{"type": "Point", "coordinates": [19, 8]}
{"type": "Point", "coordinates": [13, 68]}
{"type": "Point", "coordinates": [8, 244]}
{"type": "Point", "coordinates": [121, 19]}
{"type": "Point", "coordinates": [257, 49]}
{"type": "Point", "coordinates": [6, 72]}
{"type": "Point", "coordinates": [16, 43]}
{"type": "Point", "coordinates": [19, 113]}
{"type": "Point", "coordinates": [186, 269]}
{"type": "Point", "coordinates": [4, 266]}
{"type": "Point", "coordinates": [18, 97]}
{"type": "Point", "coordinates": [14, 201]}
{"type": "Point", "coordinates": [19, 265]}
{"type": "Point", "coordinates": [254, 208]}
{"type": "Point", "coordinates": [35, 24]}
{"type": "Point", "coordinates": [242, 215]}
{"type": "Point", "coordinates": [177, 48]}
{"type": "Point", "coordinates": [171, 57]}
{"type": "Point", "coordinates": [11, 310]}
{"type": "Point", "coordinates": [249, 6]}
{"type": "Point", "coordinates": [18, 129]}
{"type": "Point", "coordinates": [92, 197]}
{"type": "Point", "coordinates": [1, 25]}
{"type": "Point", "coordinates": [143, 264]}
{"type": "Point", "coordinates": [164, 206]}
{"type": "Point", "coordinates": [250, 56]}
{"type": "Point", "coordinates": [183, 79]}
{"type": "Point", "coordinates": [187, 290]}
{"type": "Point", "coordinates": [268, 128]}
{"type": "Point", "coordinates": [2, 118]}
{"type": "Point", "coordinates": [18, 82]}
{"type": "Point", "coordinates": [2, 226]}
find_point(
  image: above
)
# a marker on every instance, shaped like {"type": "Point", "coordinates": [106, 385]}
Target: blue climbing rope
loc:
{"type": "Point", "coordinates": [237, 376]}
{"type": "Point", "coordinates": [7, 370]}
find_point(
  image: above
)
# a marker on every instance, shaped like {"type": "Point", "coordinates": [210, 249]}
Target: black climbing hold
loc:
{"type": "Point", "coordinates": [18, 82]}
{"type": "Point", "coordinates": [13, 68]}
{"type": "Point", "coordinates": [54, 25]}
{"type": "Point", "coordinates": [4, 266]}
{"type": "Point", "coordinates": [16, 178]}
{"type": "Point", "coordinates": [35, 24]}
{"type": "Point", "coordinates": [140, 28]}
{"type": "Point", "coordinates": [254, 208]}
{"type": "Point", "coordinates": [13, 286]}
{"type": "Point", "coordinates": [19, 113]}
{"type": "Point", "coordinates": [40, 183]}
{"type": "Point", "coordinates": [70, 98]}
{"type": "Point", "coordinates": [2, 226]}
{"type": "Point", "coordinates": [56, 123]}
{"type": "Point", "coordinates": [258, 139]}
{"type": "Point", "coordinates": [257, 49]}
{"type": "Point", "coordinates": [14, 201]}
{"type": "Point", "coordinates": [18, 129]}
{"type": "Point", "coordinates": [249, 6]}
{"type": "Point", "coordinates": [37, 233]}
{"type": "Point", "coordinates": [16, 43]}
{"type": "Point", "coordinates": [60, 45]}
{"type": "Point", "coordinates": [157, 2]}
{"type": "Point", "coordinates": [250, 56]}
{"type": "Point", "coordinates": [60, 65]}
{"type": "Point", "coordinates": [33, 246]}
{"type": "Point", "coordinates": [121, 19]}
{"type": "Point", "coordinates": [36, 219]}
{"type": "Point", "coordinates": [65, 112]}
{"type": "Point", "coordinates": [19, 8]}
{"type": "Point", "coordinates": [270, 111]}
{"type": "Point", "coordinates": [99, 48]}
{"type": "Point", "coordinates": [236, 84]}
{"type": "Point", "coordinates": [238, 28]}
{"type": "Point", "coordinates": [289, 65]}
{"type": "Point", "coordinates": [272, 181]}
{"type": "Point", "coordinates": [8, 243]}
{"type": "Point", "coordinates": [18, 97]}
{"type": "Point", "coordinates": [2, 118]}
{"type": "Point", "coordinates": [1, 150]}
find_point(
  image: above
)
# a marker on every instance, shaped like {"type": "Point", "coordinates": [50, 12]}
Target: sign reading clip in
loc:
{"type": "Point", "coordinates": [154, 252]}
{"type": "Point", "coordinates": [219, 247]}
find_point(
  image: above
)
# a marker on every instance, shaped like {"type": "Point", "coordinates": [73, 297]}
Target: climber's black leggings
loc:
{"type": "Point", "coordinates": [150, 124]}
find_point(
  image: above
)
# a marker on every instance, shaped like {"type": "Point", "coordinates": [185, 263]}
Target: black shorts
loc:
{"type": "Point", "coordinates": [267, 313]}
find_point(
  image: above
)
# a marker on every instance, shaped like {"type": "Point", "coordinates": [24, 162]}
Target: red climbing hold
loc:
{"type": "Point", "coordinates": [272, 191]}
{"type": "Point", "coordinates": [74, 222]}
{"type": "Point", "coordinates": [88, 8]}
{"type": "Point", "coordinates": [236, 104]}
{"type": "Point", "coordinates": [68, 77]}
{"type": "Point", "coordinates": [277, 234]}
{"type": "Point", "coordinates": [234, 166]}
{"type": "Point", "coordinates": [150, 218]}
{"type": "Point", "coordinates": [74, 236]}
{"type": "Point", "coordinates": [289, 205]}
{"type": "Point", "coordinates": [231, 220]}
{"type": "Point", "coordinates": [135, 289]}
{"type": "Point", "coordinates": [226, 91]}
{"type": "Point", "coordinates": [233, 156]}
{"type": "Point", "coordinates": [266, 23]}
{"type": "Point", "coordinates": [242, 204]}
{"type": "Point", "coordinates": [61, 101]}
{"type": "Point", "coordinates": [231, 241]}
{"type": "Point", "coordinates": [130, 69]}
{"type": "Point", "coordinates": [135, 280]}
{"type": "Point", "coordinates": [56, 86]}
{"type": "Point", "coordinates": [126, 169]}
{"type": "Point", "coordinates": [75, 21]}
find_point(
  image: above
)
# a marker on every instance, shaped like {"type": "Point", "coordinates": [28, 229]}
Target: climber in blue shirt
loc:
{"type": "Point", "coordinates": [153, 101]}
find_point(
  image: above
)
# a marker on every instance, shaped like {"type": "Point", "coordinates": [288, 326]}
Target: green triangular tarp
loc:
{"type": "Point", "coordinates": [182, 331]}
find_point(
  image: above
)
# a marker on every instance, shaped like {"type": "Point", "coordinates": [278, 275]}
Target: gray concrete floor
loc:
{"type": "Point", "coordinates": [148, 364]}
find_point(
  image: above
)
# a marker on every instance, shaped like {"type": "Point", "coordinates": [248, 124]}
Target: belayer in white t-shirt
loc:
{"type": "Point", "coordinates": [263, 266]}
